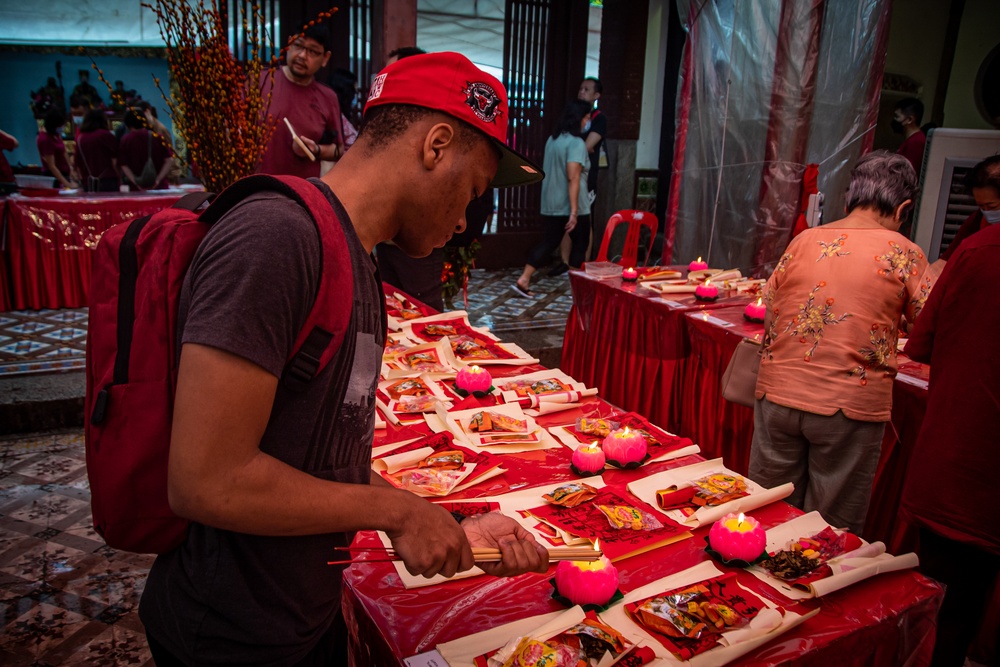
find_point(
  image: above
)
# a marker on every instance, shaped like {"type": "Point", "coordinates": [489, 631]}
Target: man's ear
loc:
{"type": "Point", "coordinates": [439, 138]}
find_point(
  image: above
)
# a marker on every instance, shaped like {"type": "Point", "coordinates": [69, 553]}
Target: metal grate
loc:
{"type": "Point", "coordinates": [526, 24]}
{"type": "Point", "coordinates": [959, 207]}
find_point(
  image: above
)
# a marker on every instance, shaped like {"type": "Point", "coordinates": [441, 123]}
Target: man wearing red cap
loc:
{"type": "Point", "coordinates": [273, 479]}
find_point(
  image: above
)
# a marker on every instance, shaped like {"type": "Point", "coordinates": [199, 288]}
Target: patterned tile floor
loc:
{"type": "Point", "coordinates": [42, 341]}
{"type": "Point", "coordinates": [48, 341]}
{"type": "Point", "coordinates": [65, 597]}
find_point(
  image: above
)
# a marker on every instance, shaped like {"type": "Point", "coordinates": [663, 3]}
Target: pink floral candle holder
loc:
{"type": "Point", "coordinates": [755, 311]}
{"type": "Point", "coordinates": [706, 291]}
{"type": "Point", "coordinates": [588, 460]}
{"type": "Point", "coordinates": [630, 275]}
{"type": "Point", "coordinates": [587, 583]}
{"type": "Point", "coordinates": [474, 380]}
{"type": "Point", "coordinates": [697, 265]}
{"type": "Point", "coordinates": [625, 449]}
{"type": "Point", "coordinates": [737, 537]}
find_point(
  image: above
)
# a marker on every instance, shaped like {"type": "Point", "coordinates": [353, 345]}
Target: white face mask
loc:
{"type": "Point", "coordinates": [77, 120]}
{"type": "Point", "coordinates": [992, 217]}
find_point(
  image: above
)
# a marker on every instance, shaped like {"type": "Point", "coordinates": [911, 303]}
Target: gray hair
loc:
{"type": "Point", "coordinates": [882, 181]}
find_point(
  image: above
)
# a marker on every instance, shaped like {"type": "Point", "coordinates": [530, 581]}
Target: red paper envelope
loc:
{"type": "Point", "coordinates": [444, 441]}
{"type": "Point", "coordinates": [587, 520]}
{"type": "Point", "coordinates": [722, 591]}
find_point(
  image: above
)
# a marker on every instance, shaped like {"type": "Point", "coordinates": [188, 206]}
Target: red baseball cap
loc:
{"type": "Point", "coordinates": [450, 83]}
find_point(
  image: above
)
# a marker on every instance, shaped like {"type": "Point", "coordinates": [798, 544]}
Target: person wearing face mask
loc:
{"type": "Point", "coordinates": [906, 116]}
{"type": "Point", "coordinates": [78, 108]}
{"type": "Point", "coordinates": [835, 305]}
{"type": "Point", "coordinates": [983, 183]}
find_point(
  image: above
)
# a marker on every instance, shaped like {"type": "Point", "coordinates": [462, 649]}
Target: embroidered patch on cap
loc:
{"type": "Point", "coordinates": [377, 84]}
{"type": "Point", "coordinates": [483, 101]}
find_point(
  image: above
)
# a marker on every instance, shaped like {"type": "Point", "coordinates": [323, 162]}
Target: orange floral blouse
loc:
{"type": "Point", "coordinates": [836, 300]}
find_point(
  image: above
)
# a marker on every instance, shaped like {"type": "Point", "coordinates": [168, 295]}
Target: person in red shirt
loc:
{"type": "Point", "coordinates": [906, 121]}
{"type": "Point", "coordinates": [97, 154]}
{"type": "Point", "coordinates": [139, 145]}
{"type": "Point", "coordinates": [52, 151]}
{"type": "Point", "coordinates": [949, 492]}
{"type": "Point", "coordinates": [7, 143]}
{"type": "Point", "coordinates": [311, 108]}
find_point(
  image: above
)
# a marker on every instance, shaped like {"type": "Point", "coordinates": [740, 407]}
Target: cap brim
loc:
{"type": "Point", "coordinates": [514, 169]}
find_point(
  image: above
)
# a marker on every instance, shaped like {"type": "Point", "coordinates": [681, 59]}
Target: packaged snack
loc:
{"type": "Point", "coordinates": [596, 427]}
{"type": "Point", "coordinates": [630, 518]}
{"type": "Point", "coordinates": [439, 330]}
{"type": "Point", "coordinates": [432, 481]}
{"type": "Point", "coordinates": [446, 460]}
{"type": "Point", "coordinates": [415, 404]}
{"type": "Point", "coordinates": [571, 495]}
{"type": "Point", "coordinates": [495, 421]}
{"type": "Point", "coordinates": [407, 387]}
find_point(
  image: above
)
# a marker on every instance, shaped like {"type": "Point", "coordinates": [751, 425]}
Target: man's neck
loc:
{"type": "Point", "coordinates": [294, 79]}
{"type": "Point", "coordinates": [910, 130]}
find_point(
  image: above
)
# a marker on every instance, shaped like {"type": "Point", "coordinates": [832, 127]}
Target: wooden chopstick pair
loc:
{"type": "Point", "coordinates": [480, 554]}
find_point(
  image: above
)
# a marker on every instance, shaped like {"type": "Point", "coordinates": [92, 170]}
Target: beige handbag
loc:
{"type": "Point", "coordinates": [740, 379]}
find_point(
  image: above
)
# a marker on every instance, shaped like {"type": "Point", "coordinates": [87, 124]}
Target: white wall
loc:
{"type": "Point", "coordinates": [648, 147]}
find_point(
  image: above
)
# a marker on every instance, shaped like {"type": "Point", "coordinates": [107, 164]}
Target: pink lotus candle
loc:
{"type": "Point", "coordinates": [474, 378]}
{"type": "Point", "coordinates": [588, 459]}
{"type": "Point", "coordinates": [706, 291]}
{"type": "Point", "coordinates": [738, 537]}
{"type": "Point", "coordinates": [583, 582]}
{"type": "Point", "coordinates": [630, 275]}
{"type": "Point", "coordinates": [624, 446]}
{"type": "Point", "coordinates": [697, 265]}
{"type": "Point", "coordinates": [755, 312]}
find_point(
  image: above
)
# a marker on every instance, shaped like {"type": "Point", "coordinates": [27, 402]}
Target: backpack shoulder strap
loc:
{"type": "Point", "coordinates": [328, 320]}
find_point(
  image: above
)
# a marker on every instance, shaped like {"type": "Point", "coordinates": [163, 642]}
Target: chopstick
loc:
{"type": "Point", "coordinates": [480, 555]}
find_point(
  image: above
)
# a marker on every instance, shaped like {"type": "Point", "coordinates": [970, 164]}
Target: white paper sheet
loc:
{"type": "Point", "coordinates": [849, 568]}
{"type": "Point", "coordinates": [645, 489]}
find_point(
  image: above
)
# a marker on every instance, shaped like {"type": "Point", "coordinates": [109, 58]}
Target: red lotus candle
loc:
{"type": "Point", "coordinates": [697, 265]}
{"type": "Point", "coordinates": [706, 291]}
{"type": "Point", "coordinates": [624, 446]}
{"type": "Point", "coordinates": [474, 378]}
{"type": "Point", "coordinates": [755, 311]}
{"type": "Point", "coordinates": [588, 459]}
{"type": "Point", "coordinates": [737, 537]}
{"type": "Point", "coordinates": [583, 582]}
{"type": "Point", "coordinates": [630, 275]}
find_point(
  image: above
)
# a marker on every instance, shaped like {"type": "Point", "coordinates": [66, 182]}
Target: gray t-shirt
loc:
{"type": "Point", "coordinates": [230, 598]}
{"type": "Point", "coordinates": [555, 188]}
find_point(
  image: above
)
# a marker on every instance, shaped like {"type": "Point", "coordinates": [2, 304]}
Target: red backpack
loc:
{"type": "Point", "coordinates": [132, 351]}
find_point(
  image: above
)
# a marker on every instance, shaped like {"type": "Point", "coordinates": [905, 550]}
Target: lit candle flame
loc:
{"type": "Point", "coordinates": [699, 258]}
{"type": "Point", "coordinates": [625, 434]}
{"type": "Point", "coordinates": [475, 369]}
{"type": "Point", "coordinates": [707, 282]}
{"type": "Point", "coordinates": [739, 519]}
{"type": "Point", "coordinates": [759, 300]}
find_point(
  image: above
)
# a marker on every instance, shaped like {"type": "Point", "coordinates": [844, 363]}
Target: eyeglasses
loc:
{"type": "Point", "coordinates": [299, 45]}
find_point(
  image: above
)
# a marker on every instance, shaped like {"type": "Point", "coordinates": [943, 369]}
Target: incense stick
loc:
{"type": "Point", "coordinates": [480, 555]}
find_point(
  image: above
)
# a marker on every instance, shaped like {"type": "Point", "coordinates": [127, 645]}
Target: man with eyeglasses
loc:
{"type": "Point", "coordinates": [311, 108]}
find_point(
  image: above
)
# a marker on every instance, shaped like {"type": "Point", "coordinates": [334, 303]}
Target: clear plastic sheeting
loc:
{"type": "Point", "coordinates": [766, 87]}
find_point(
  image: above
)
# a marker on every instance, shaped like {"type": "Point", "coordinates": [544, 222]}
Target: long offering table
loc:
{"type": "Point", "coordinates": [49, 241]}
{"type": "Point", "coordinates": [622, 336]}
{"type": "Point", "coordinates": [886, 620]}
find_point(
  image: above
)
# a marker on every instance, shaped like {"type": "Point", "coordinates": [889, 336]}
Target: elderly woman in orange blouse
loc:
{"type": "Point", "coordinates": [836, 301]}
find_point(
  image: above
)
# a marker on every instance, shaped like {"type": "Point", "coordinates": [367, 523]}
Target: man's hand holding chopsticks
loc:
{"type": "Point", "coordinates": [519, 551]}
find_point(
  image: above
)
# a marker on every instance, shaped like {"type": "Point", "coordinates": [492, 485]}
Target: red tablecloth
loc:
{"type": "Point", "coordinates": [610, 326]}
{"type": "Point", "coordinates": [49, 241]}
{"type": "Point", "coordinates": [888, 620]}
{"type": "Point", "coordinates": [628, 341]}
